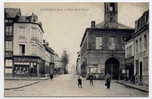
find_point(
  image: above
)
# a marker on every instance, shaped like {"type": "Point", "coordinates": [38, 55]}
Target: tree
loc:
{"type": "Point", "coordinates": [65, 61]}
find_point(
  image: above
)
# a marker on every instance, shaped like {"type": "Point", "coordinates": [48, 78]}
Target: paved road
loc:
{"type": "Point", "coordinates": [66, 85]}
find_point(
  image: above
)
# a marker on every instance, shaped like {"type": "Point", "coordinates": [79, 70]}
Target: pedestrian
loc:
{"type": "Point", "coordinates": [108, 80]}
{"type": "Point", "coordinates": [91, 79]}
{"type": "Point", "coordinates": [79, 82]}
{"type": "Point", "coordinates": [51, 76]}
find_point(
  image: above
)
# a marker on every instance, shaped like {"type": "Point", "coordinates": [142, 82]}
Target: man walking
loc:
{"type": "Point", "coordinates": [79, 82]}
{"type": "Point", "coordinates": [108, 80]}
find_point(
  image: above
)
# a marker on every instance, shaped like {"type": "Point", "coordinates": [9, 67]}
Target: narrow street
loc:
{"type": "Point", "coordinates": [66, 85]}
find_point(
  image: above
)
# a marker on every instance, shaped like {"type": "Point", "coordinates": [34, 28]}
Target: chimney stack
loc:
{"type": "Point", "coordinates": [93, 24]}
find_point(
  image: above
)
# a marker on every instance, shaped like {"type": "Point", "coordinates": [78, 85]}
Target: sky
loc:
{"type": "Point", "coordinates": [64, 24]}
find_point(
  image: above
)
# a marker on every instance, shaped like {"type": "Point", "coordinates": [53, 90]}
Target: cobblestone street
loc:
{"type": "Point", "coordinates": [66, 85]}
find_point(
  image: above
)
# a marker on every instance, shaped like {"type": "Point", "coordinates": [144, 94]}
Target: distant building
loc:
{"type": "Point", "coordinates": [141, 45]}
{"type": "Point", "coordinates": [78, 65]}
{"type": "Point", "coordinates": [58, 64]}
{"type": "Point", "coordinates": [103, 45]}
{"type": "Point", "coordinates": [24, 46]}
{"type": "Point", "coordinates": [50, 63]}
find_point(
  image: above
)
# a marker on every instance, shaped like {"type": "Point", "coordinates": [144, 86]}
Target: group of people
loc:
{"type": "Point", "coordinates": [91, 77]}
{"type": "Point", "coordinates": [80, 81]}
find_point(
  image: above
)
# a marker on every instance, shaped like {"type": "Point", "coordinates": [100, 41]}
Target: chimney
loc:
{"type": "Point", "coordinates": [93, 24]}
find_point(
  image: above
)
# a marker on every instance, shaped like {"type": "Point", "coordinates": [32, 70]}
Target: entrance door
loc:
{"type": "Point", "coordinates": [112, 67]}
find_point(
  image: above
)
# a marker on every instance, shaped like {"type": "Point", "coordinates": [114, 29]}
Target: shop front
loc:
{"type": "Point", "coordinates": [27, 66]}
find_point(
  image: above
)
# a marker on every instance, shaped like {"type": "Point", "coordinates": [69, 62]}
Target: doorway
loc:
{"type": "Point", "coordinates": [112, 67]}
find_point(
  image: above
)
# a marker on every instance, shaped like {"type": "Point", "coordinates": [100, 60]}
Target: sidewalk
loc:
{"type": "Point", "coordinates": [20, 82]}
{"type": "Point", "coordinates": [26, 78]}
{"type": "Point", "coordinates": [16, 84]}
{"type": "Point", "coordinates": [143, 88]}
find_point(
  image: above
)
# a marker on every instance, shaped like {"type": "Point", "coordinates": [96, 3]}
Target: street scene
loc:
{"type": "Point", "coordinates": [76, 49]}
{"type": "Point", "coordinates": [66, 85]}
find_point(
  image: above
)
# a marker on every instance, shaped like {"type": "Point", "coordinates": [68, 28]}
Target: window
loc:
{"type": "Point", "coordinates": [99, 43]}
{"type": "Point", "coordinates": [140, 44]}
{"type": "Point", "coordinates": [8, 30]}
{"type": "Point", "coordinates": [136, 46]}
{"type": "Point", "coordinates": [8, 46]}
{"type": "Point", "coordinates": [111, 43]}
{"type": "Point", "coordinates": [145, 41]}
{"type": "Point", "coordinates": [8, 63]}
{"type": "Point", "coordinates": [22, 49]}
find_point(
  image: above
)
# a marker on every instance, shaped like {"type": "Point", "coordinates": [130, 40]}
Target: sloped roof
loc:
{"type": "Point", "coordinates": [12, 12]}
{"type": "Point", "coordinates": [118, 25]}
{"type": "Point", "coordinates": [22, 19]}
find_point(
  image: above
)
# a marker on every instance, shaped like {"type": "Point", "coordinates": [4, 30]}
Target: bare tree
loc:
{"type": "Point", "coordinates": [65, 61]}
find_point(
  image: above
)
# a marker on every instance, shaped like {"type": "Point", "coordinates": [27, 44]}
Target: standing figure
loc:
{"type": "Point", "coordinates": [79, 82]}
{"type": "Point", "coordinates": [51, 76]}
{"type": "Point", "coordinates": [108, 80]}
{"type": "Point", "coordinates": [91, 79]}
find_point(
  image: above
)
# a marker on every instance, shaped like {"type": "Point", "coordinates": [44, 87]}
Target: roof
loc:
{"type": "Point", "coordinates": [23, 19]}
{"type": "Point", "coordinates": [12, 12]}
{"type": "Point", "coordinates": [49, 49]}
{"type": "Point", "coordinates": [130, 30]}
{"type": "Point", "coordinates": [117, 25]}
{"type": "Point", "coordinates": [27, 19]}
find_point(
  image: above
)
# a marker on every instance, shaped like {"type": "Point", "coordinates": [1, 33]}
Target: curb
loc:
{"type": "Point", "coordinates": [132, 87]}
{"type": "Point", "coordinates": [22, 86]}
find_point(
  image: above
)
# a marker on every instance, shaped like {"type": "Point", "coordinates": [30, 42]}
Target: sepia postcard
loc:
{"type": "Point", "coordinates": [76, 49]}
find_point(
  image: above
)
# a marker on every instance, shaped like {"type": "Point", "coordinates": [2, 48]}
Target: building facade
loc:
{"type": "Point", "coordinates": [50, 63]}
{"type": "Point", "coordinates": [30, 56]}
{"type": "Point", "coordinates": [129, 59]}
{"type": "Point", "coordinates": [11, 15]}
{"type": "Point", "coordinates": [141, 45]}
{"type": "Point", "coordinates": [58, 64]}
{"type": "Point", "coordinates": [103, 45]}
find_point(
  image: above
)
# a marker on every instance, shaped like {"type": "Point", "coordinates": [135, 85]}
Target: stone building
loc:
{"type": "Point", "coordinates": [102, 48]}
{"type": "Point", "coordinates": [50, 64]}
{"type": "Point", "coordinates": [141, 45]}
{"type": "Point", "coordinates": [11, 15]}
{"type": "Point", "coordinates": [129, 58]}
{"type": "Point", "coordinates": [29, 55]}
